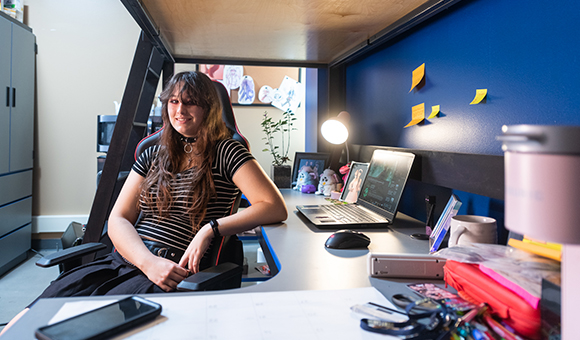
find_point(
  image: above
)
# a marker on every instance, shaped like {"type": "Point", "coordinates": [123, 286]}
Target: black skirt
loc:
{"type": "Point", "coordinates": [108, 275]}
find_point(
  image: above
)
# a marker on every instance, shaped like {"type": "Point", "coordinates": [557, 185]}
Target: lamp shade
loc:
{"type": "Point", "coordinates": [335, 130]}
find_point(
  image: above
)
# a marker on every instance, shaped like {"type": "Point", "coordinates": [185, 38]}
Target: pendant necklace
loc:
{"type": "Point", "coordinates": [188, 147]}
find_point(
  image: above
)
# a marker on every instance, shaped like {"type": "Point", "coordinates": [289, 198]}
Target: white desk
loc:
{"type": "Point", "coordinates": [305, 264]}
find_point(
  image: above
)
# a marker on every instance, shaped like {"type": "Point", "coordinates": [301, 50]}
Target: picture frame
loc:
{"type": "Point", "coordinates": [320, 160]}
{"type": "Point", "coordinates": [442, 226]}
{"type": "Point", "coordinates": [356, 176]}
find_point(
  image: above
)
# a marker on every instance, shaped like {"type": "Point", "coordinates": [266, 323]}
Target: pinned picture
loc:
{"type": "Point", "coordinates": [291, 93]}
{"type": "Point", "coordinates": [233, 76]}
{"type": "Point", "coordinates": [354, 181]}
{"type": "Point", "coordinates": [215, 72]}
{"type": "Point", "coordinates": [266, 94]}
{"type": "Point", "coordinates": [247, 93]}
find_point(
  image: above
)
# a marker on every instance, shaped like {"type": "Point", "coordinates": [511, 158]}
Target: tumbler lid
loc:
{"type": "Point", "coordinates": [549, 139]}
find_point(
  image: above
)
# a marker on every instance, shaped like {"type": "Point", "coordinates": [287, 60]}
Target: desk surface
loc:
{"type": "Point", "coordinates": [305, 264]}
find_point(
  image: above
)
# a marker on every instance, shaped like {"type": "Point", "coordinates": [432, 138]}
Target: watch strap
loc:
{"type": "Point", "coordinates": [214, 226]}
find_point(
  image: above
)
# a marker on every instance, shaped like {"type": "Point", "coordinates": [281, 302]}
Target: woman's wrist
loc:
{"type": "Point", "coordinates": [207, 231]}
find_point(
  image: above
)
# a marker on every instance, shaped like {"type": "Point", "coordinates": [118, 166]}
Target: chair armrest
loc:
{"type": "Point", "coordinates": [204, 279]}
{"type": "Point", "coordinates": [69, 254]}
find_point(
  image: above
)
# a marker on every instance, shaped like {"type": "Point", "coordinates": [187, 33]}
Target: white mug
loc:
{"type": "Point", "coordinates": [468, 229]}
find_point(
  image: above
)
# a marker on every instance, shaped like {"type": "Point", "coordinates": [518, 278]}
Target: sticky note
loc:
{"type": "Point", "coordinates": [479, 96]}
{"type": "Point", "coordinates": [418, 75]}
{"type": "Point", "coordinates": [417, 115]}
{"type": "Point", "coordinates": [434, 111]}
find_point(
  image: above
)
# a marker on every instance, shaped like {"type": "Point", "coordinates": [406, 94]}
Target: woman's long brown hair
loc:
{"type": "Point", "coordinates": [156, 189]}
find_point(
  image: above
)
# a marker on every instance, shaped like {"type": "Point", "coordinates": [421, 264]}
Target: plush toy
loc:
{"type": "Point", "coordinates": [306, 176]}
{"type": "Point", "coordinates": [327, 183]}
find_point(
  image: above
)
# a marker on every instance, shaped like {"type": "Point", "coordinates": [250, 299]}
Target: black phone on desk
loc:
{"type": "Point", "coordinates": [102, 322]}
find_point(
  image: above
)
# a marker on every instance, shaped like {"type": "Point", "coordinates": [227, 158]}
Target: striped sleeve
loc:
{"type": "Point", "coordinates": [231, 155]}
{"type": "Point", "coordinates": [143, 163]}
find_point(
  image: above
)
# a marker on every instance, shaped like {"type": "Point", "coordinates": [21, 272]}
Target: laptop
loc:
{"type": "Point", "coordinates": [378, 199]}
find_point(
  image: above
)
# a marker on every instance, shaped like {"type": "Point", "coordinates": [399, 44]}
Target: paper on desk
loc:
{"type": "Point", "coordinates": [318, 314]}
{"type": "Point", "coordinates": [417, 114]}
{"type": "Point", "coordinates": [70, 309]}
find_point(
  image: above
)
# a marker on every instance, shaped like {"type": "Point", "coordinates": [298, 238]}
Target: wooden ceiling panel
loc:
{"type": "Point", "coordinates": [313, 31]}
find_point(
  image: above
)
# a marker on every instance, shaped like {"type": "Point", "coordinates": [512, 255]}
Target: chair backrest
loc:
{"type": "Point", "coordinates": [227, 116]}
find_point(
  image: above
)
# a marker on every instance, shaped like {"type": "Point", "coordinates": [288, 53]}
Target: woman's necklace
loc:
{"type": "Point", "coordinates": [188, 148]}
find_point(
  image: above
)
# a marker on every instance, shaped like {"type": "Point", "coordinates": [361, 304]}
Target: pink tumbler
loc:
{"type": "Point", "coordinates": [542, 181]}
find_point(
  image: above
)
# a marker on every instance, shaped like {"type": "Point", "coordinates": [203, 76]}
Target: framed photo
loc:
{"type": "Point", "coordinates": [316, 160]}
{"type": "Point", "coordinates": [354, 181]}
{"type": "Point", "coordinates": [442, 226]}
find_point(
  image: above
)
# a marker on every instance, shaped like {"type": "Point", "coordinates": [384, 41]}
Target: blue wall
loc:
{"type": "Point", "coordinates": [526, 53]}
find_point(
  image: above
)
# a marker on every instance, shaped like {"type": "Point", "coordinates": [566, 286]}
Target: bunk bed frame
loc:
{"type": "Point", "coordinates": [160, 47]}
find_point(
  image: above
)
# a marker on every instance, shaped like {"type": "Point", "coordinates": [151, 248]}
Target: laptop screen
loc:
{"type": "Point", "coordinates": [386, 178]}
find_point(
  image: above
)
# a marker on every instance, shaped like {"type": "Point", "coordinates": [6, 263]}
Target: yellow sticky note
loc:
{"type": "Point", "coordinates": [417, 115]}
{"type": "Point", "coordinates": [418, 75]}
{"type": "Point", "coordinates": [479, 96]}
{"type": "Point", "coordinates": [434, 111]}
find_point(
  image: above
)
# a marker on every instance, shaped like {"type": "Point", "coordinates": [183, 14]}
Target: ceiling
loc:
{"type": "Point", "coordinates": [273, 31]}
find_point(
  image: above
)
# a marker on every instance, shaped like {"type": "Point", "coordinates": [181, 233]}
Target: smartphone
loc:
{"type": "Point", "coordinates": [102, 322]}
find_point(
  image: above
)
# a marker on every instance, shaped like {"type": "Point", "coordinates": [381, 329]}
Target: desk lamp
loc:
{"type": "Point", "coordinates": [335, 131]}
{"type": "Point", "coordinates": [542, 182]}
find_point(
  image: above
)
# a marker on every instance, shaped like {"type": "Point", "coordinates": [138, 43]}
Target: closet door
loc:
{"type": "Point", "coordinates": [22, 110]}
{"type": "Point", "coordinates": [5, 38]}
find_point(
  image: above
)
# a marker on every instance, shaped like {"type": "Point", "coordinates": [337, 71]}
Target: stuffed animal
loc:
{"type": "Point", "coordinates": [306, 176]}
{"type": "Point", "coordinates": [327, 183]}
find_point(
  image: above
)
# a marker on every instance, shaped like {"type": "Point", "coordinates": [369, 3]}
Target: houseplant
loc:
{"type": "Point", "coordinates": [280, 171]}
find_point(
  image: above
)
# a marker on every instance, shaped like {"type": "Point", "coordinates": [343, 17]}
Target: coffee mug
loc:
{"type": "Point", "coordinates": [468, 229]}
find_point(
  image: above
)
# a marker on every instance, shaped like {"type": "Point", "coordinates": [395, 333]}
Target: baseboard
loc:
{"type": "Point", "coordinates": [55, 223]}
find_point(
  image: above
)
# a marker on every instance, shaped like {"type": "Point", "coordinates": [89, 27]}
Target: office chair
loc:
{"type": "Point", "coordinates": [221, 267]}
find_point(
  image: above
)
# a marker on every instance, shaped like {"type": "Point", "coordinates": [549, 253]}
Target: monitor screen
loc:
{"type": "Point", "coordinates": [386, 179]}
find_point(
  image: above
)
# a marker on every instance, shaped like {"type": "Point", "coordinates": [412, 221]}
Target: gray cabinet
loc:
{"type": "Point", "coordinates": [17, 63]}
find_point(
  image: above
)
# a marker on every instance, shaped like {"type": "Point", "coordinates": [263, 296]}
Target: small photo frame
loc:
{"type": "Point", "coordinates": [442, 226]}
{"type": "Point", "coordinates": [316, 160]}
{"type": "Point", "coordinates": [356, 177]}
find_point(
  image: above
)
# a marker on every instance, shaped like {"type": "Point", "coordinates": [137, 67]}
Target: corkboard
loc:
{"type": "Point", "coordinates": [262, 75]}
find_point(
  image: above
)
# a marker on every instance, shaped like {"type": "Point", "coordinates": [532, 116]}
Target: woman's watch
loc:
{"type": "Point", "coordinates": [214, 226]}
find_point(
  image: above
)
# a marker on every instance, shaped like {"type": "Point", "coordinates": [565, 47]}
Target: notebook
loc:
{"type": "Point", "coordinates": [378, 198]}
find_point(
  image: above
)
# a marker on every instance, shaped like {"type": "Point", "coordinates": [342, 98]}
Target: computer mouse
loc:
{"type": "Point", "coordinates": [347, 239]}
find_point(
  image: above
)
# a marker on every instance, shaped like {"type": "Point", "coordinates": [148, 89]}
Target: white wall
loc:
{"type": "Point", "coordinates": [85, 50]}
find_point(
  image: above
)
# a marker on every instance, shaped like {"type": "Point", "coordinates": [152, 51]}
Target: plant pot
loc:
{"type": "Point", "coordinates": [280, 174]}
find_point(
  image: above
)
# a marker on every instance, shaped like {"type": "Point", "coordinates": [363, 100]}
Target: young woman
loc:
{"type": "Point", "coordinates": [177, 196]}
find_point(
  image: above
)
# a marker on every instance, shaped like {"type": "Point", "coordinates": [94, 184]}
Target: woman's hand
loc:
{"type": "Point", "coordinates": [165, 273]}
{"type": "Point", "coordinates": [197, 249]}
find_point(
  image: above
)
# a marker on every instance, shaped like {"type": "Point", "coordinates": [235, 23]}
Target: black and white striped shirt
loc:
{"type": "Point", "coordinates": [175, 228]}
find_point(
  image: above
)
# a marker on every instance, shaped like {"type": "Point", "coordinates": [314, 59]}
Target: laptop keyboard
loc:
{"type": "Point", "coordinates": [348, 213]}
